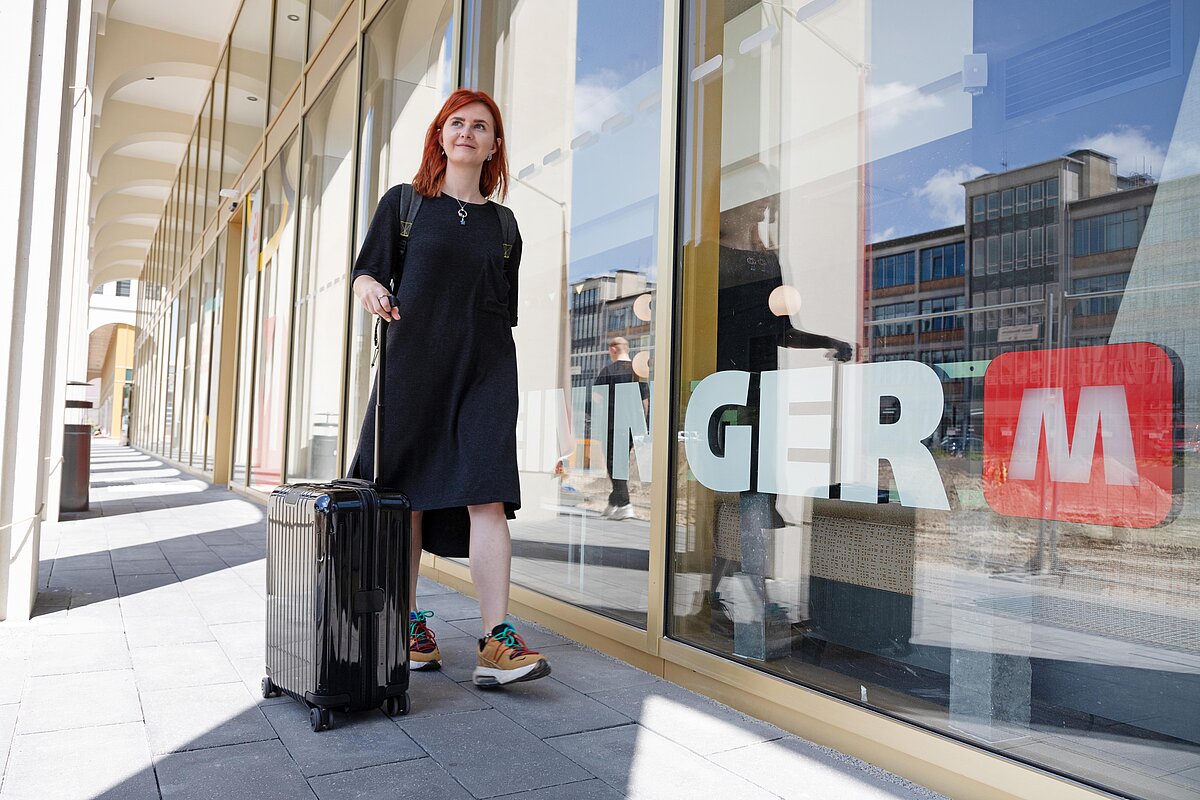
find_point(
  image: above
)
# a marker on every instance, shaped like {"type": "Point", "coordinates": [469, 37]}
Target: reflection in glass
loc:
{"type": "Point", "coordinates": [585, 191]}
{"type": "Point", "coordinates": [402, 91]}
{"type": "Point", "coordinates": [986, 523]}
{"type": "Point", "coordinates": [287, 50]}
{"type": "Point", "coordinates": [246, 106]}
{"type": "Point", "coordinates": [320, 305]}
{"type": "Point", "coordinates": [277, 261]}
{"type": "Point", "coordinates": [247, 328]}
{"type": "Point", "coordinates": [217, 320]}
{"type": "Point", "coordinates": [216, 157]}
{"type": "Point", "coordinates": [204, 350]}
{"type": "Point", "coordinates": [320, 20]}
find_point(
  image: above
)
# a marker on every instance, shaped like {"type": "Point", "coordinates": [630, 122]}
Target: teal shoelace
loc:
{"type": "Point", "coordinates": [419, 620]}
{"type": "Point", "coordinates": [510, 638]}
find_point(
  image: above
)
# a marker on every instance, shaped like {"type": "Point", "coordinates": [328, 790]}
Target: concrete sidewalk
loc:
{"type": "Point", "coordinates": [139, 675]}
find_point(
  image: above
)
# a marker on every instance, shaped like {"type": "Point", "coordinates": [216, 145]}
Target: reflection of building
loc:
{"type": "Point", "coordinates": [1035, 237]}
{"type": "Point", "coordinates": [602, 306]}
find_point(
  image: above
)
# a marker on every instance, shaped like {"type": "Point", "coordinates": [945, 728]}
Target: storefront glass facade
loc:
{"type": "Point", "coordinates": [912, 285]}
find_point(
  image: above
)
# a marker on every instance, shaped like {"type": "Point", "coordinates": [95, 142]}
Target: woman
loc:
{"type": "Point", "coordinates": [449, 438]}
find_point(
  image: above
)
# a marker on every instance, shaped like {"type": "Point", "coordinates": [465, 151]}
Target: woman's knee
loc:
{"type": "Point", "coordinates": [487, 513]}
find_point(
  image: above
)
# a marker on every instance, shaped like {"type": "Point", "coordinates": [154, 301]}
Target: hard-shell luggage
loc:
{"type": "Point", "coordinates": [337, 594]}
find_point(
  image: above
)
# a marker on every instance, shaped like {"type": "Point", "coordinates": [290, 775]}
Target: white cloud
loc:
{"type": "Point", "coordinates": [1130, 146]}
{"type": "Point", "coordinates": [889, 103]}
{"type": "Point", "coordinates": [884, 235]}
{"type": "Point", "coordinates": [944, 193]}
{"type": "Point", "coordinates": [596, 100]}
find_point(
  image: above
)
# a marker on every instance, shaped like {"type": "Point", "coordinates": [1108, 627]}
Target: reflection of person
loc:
{"type": "Point", "coordinates": [619, 370]}
{"type": "Point", "coordinates": [450, 433]}
{"type": "Point", "coordinates": [753, 308]}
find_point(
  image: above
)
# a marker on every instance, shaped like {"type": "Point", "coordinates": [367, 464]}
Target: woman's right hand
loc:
{"type": "Point", "coordinates": [374, 297]}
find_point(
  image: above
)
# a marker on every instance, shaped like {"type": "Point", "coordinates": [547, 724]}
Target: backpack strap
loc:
{"type": "Point", "coordinates": [406, 212]}
{"type": "Point", "coordinates": [508, 229]}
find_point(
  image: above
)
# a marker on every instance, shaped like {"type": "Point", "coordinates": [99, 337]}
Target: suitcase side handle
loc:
{"type": "Point", "coordinates": [369, 601]}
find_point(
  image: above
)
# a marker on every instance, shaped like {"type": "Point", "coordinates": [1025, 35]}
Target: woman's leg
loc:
{"type": "Point", "coordinates": [414, 560]}
{"type": "Point", "coordinates": [491, 562]}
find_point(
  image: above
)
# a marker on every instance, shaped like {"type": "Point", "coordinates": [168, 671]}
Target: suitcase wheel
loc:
{"type": "Point", "coordinates": [396, 706]}
{"type": "Point", "coordinates": [320, 719]}
{"type": "Point", "coordinates": [269, 689]}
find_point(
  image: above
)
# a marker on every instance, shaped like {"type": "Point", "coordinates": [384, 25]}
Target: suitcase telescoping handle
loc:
{"type": "Point", "coordinates": [380, 382]}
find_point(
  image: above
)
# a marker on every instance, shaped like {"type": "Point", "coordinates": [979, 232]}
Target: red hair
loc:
{"type": "Point", "coordinates": [431, 175]}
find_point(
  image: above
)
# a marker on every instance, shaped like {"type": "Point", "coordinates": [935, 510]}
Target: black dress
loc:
{"type": "Point", "coordinates": [449, 437]}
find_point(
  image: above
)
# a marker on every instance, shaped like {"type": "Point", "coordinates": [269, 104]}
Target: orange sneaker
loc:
{"type": "Point", "coordinates": [504, 659]}
{"type": "Point", "coordinates": [423, 652]}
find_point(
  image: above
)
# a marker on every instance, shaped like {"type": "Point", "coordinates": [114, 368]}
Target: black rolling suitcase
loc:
{"type": "Point", "coordinates": [337, 594]}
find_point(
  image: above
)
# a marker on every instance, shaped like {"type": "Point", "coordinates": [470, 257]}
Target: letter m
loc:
{"type": "Point", "coordinates": [1102, 409]}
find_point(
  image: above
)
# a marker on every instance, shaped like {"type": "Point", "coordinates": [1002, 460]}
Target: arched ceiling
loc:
{"type": "Point", "coordinates": [141, 127]}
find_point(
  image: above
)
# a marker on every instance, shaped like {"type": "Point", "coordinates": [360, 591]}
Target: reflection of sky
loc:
{"type": "Point", "coordinates": [615, 179]}
{"type": "Point", "coordinates": [912, 189]}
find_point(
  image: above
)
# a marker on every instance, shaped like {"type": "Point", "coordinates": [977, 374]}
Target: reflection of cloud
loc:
{"type": "Point", "coordinates": [944, 192]}
{"type": "Point", "coordinates": [884, 235]}
{"type": "Point", "coordinates": [889, 103]}
{"type": "Point", "coordinates": [1131, 148]}
{"type": "Point", "coordinates": [596, 99]}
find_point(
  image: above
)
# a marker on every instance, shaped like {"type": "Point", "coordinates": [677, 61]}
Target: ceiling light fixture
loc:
{"type": "Point", "coordinates": [149, 77]}
{"type": "Point", "coordinates": [252, 98]}
{"type": "Point", "coordinates": [294, 17]}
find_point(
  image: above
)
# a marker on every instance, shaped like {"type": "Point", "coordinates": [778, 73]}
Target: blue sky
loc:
{"type": "Point", "coordinates": [911, 189]}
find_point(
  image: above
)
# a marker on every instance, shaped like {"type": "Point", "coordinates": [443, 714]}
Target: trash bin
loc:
{"type": "Point", "coordinates": [77, 457]}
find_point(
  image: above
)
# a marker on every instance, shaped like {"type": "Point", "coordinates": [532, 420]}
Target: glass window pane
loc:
{"type": "Point", "coordinates": [246, 106]}
{"type": "Point", "coordinates": [585, 189]}
{"type": "Point", "coordinates": [321, 292]}
{"type": "Point", "coordinates": [400, 97]}
{"type": "Point", "coordinates": [217, 317]}
{"type": "Point", "coordinates": [1015, 607]}
{"type": "Point", "coordinates": [204, 350]}
{"type": "Point", "coordinates": [320, 20]}
{"type": "Point", "coordinates": [278, 260]}
{"type": "Point", "coordinates": [247, 328]}
{"type": "Point", "coordinates": [287, 54]}
{"type": "Point", "coordinates": [216, 158]}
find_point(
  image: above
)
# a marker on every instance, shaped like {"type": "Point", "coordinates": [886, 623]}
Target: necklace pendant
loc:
{"type": "Point", "coordinates": [462, 216]}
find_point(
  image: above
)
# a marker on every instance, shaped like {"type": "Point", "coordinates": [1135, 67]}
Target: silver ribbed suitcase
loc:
{"type": "Point", "coordinates": [337, 595]}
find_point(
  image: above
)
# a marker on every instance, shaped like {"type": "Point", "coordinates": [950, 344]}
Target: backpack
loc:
{"type": "Point", "coordinates": [410, 204]}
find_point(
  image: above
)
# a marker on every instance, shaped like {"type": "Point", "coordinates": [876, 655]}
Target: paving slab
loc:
{"type": "Point", "coordinates": [434, 692]}
{"type": "Point", "coordinates": [196, 717]}
{"type": "Point", "coordinates": [475, 746]}
{"type": "Point", "coordinates": [595, 789]}
{"type": "Point", "coordinates": [363, 739]}
{"type": "Point", "coordinates": [696, 722]}
{"type": "Point", "coordinates": [166, 629]}
{"type": "Point", "coordinates": [451, 606]}
{"type": "Point", "coordinates": [793, 767]}
{"type": "Point", "coordinates": [79, 652]}
{"type": "Point", "coordinates": [548, 707]}
{"type": "Point", "coordinates": [111, 762]}
{"type": "Point", "coordinates": [8, 726]}
{"type": "Point", "coordinates": [177, 665]}
{"type": "Point", "coordinates": [241, 639]}
{"type": "Point", "coordinates": [642, 764]}
{"type": "Point", "coordinates": [422, 778]}
{"type": "Point", "coordinates": [587, 671]}
{"type": "Point", "coordinates": [59, 702]}
{"type": "Point", "coordinates": [259, 770]}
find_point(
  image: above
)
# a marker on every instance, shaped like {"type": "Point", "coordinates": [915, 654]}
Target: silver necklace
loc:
{"type": "Point", "coordinates": [462, 211]}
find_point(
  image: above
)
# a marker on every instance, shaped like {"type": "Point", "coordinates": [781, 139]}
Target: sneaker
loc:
{"type": "Point", "coordinates": [504, 659]}
{"type": "Point", "coordinates": [423, 652]}
{"type": "Point", "coordinates": [608, 509]}
{"type": "Point", "coordinates": [623, 512]}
